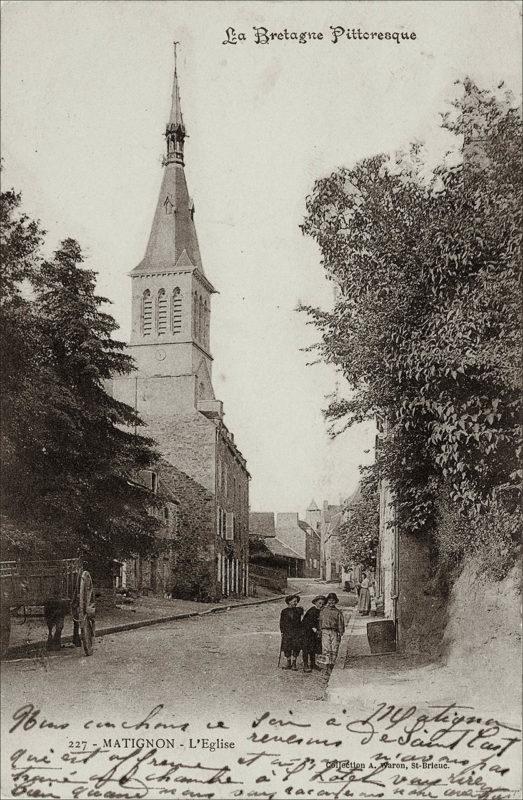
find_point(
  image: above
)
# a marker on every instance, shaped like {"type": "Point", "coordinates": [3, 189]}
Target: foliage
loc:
{"type": "Point", "coordinates": [69, 450]}
{"type": "Point", "coordinates": [359, 534]}
{"type": "Point", "coordinates": [491, 539]}
{"type": "Point", "coordinates": [426, 324]}
{"type": "Point", "coordinates": [194, 581]}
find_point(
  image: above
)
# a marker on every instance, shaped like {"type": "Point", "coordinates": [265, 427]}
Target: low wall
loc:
{"type": "Point", "coordinates": [274, 578]}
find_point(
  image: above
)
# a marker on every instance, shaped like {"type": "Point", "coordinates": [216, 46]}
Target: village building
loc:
{"type": "Point", "coordinates": [332, 517]}
{"type": "Point", "coordinates": [325, 522]}
{"type": "Point", "coordinates": [172, 387]}
{"type": "Point", "coordinates": [267, 567]}
{"type": "Point", "coordinates": [313, 516]}
{"type": "Point", "coordinates": [294, 562]}
{"type": "Point", "coordinates": [302, 539]}
{"type": "Point", "coordinates": [154, 574]}
{"type": "Point", "coordinates": [269, 551]}
{"type": "Point", "coordinates": [312, 550]}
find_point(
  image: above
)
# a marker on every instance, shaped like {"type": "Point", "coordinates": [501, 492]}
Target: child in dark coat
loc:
{"type": "Point", "coordinates": [290, 627]}
{"type": "Point", "coordinates": [311, 637]}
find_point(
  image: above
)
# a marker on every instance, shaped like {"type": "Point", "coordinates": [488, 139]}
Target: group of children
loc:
{"type": "Point", "coordinates": [318, 631]}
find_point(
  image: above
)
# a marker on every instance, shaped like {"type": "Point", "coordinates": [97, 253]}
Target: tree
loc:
{"type": "Point", "coordinates": [359, 534]}
{"type": "Point", "coordinates": [70, 450]}
{"type": "Point", "coordinates": [27, 382]}
{"type": "Point", "coordinates": [426, 326]}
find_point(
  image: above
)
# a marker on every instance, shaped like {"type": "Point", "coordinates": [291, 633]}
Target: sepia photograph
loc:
{"type": "Point", "coordinates": [261, 399]}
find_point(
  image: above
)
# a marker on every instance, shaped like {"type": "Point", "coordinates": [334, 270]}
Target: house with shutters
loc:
{"type": "Point", "coordinates": [172, 387]}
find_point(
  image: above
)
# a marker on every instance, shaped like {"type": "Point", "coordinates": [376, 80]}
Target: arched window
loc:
{"type": "Point", "coordinates": [176, 310]}
{"type": "Point", "coordinates": [161, 312]}
{"type": "Point", "coordinates": [195, 317]}
{"type": "Point", "coordinates": [201, 324]}
{"type": "Point", "coordinates": [147, 313]}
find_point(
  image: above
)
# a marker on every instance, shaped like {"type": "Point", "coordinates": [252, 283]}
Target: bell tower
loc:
{"type": "Point", "coordinates": [171, 296]}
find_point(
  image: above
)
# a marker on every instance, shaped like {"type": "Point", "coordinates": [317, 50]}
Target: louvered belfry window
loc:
{"type": "Point", "coordinates": [195, 317]}
{"type": "Point", "coordinates": [201, 328]}
{"type": "Point", "coordinates": [162, 312]}
{"type": "Point", "coordinates": [176, 311]}
{"type": "Point", "coordinates": [147, 313]}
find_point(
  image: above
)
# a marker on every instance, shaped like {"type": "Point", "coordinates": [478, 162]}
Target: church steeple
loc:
{"type": "Point", "coordinates": [175, 131]}
{"type": "Point", "coordinates": [171, 295]}
{"type": "Point", "coordinates": [173, 243]}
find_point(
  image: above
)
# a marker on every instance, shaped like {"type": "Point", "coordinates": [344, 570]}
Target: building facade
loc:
{"type": "Point", "coordinates": [172, 387]}
{"type": "Point", "coordinates": [331, 517]}
{"type": "Point", "coordinates": [312, 550]}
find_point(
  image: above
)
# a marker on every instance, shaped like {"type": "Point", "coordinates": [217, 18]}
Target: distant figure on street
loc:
{"type": "Point", "coordinates": [311, 636]}
{"type": "Point", "coordinates": [332, 626]}
{"type": "Point", "coordinates": [290, 627]}
{"type": "Point", "coordinates": [364, 599]}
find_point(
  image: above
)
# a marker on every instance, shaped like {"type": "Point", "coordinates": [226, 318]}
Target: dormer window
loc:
{"type": "Point", "coordinates": [168, 203]}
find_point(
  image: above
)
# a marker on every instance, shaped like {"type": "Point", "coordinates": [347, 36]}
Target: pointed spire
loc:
{"type": "Point", "coordinates": [176, 108]}
{"type": "Point", "coordinates": [173, 243]}
{"type": "Point", "coordinates": [175, 130]}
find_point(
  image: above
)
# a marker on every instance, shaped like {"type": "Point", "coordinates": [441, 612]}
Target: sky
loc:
{"type": "Point", "coordinates": [85, 98]}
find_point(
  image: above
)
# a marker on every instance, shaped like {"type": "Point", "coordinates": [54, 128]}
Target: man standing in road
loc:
{"type": "Point", "coordinates": [332, 626]}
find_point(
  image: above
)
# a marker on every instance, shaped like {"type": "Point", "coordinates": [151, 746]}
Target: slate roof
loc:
{"type": "Point", "coordinates": [172, 478]}
{"type": "Point", "coordinates": [173, 244]}
{"type": "Point", "coordinates": [278, 548]}
{"type": "Point", "coordinates": [261, 524]}
{"type": "Point", "coordinates": [308, 528]}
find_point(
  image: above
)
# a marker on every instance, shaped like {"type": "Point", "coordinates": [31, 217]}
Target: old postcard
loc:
{"type": "Point", "coordinates": [261, 400]}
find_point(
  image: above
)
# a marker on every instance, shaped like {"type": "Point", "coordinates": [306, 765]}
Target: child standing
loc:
{"type": "Point", "coordinates": [332, 626]}
{"type": "Point", "coordinates": [290, 627]}
{"type": "Point", "coordinates": [311, 636]}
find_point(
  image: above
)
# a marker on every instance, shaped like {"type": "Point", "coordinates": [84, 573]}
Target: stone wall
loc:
{"type": "Point", "coordinates": [232, 504]}
{"type": "Point", "coordinates": [274, 578]}
{"type": "Point", "coordinates": [194, 550]}
{"type": "Point", "coordinates": [188, 442]}
{"type": "Point", "coordinates": [421, 614]}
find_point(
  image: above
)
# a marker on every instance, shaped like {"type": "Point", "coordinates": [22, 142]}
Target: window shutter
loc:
{"type": "Point", "coordinates": [229, 526]}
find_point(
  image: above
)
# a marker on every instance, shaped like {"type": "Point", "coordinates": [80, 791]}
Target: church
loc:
{"type": "Point", "coordinates": [172, 387]}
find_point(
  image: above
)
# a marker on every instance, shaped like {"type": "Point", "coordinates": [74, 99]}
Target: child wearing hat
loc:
{"type": "Point", "coordinates": [290, 627]}
{"type": "Point", "coordinates": [332, 626]}
{"type": "Point", "coordinates": [311, 637]}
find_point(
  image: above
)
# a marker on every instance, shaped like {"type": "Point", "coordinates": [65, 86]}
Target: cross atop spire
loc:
{"type": "Point", "coordinates": [176, 110]}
